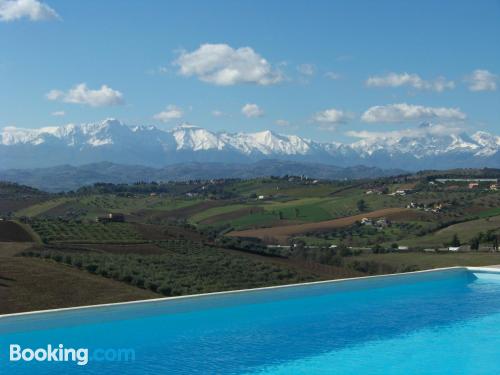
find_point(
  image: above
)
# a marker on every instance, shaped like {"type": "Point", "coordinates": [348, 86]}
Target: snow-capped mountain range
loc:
{"type": "Point", "coordinates": [427, 147]}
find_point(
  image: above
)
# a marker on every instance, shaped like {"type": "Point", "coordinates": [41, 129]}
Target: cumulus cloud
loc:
{"type": "Point", "coordinates": [482, 80]}
{"type": "Point", "coordinates": [306, 69]}
{"type": "Point", "coordinates": [403, 112]}
{"type": "Point", "coordinates": [81, 94]}
{"type": "Point", "coordinates": [282, 122]}
{"type": "Point", "coordinates": [411, 80]}
{"type": "Point", "coordinates": [252, 110]}
{"type": "Point", "coordinates": [58, 113]}
{"type": "Point", "coordinates": [222, 65]}
{"type": "Point", "coordinates": [331, 116]}
{"type": "Point", "coordinates": [422, 131]}
{"type": "Point", "coordinates": [172, 112]}
{"type": "Point", "coordinates": [12, 10]}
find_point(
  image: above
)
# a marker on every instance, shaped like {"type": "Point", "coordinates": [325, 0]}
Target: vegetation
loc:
{"type": "Point", "coordinates": [202, 236]}
{"type": "Point", "coordinates": [185, 268]}
{"type": "Point", "coordinates": [85, 232]}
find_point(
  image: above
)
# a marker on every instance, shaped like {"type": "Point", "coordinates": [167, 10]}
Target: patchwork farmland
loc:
{"type": "Point", "coordinates": [149, 240]}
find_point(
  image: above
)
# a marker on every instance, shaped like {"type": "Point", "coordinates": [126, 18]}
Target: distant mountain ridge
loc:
{"type": "Point", "coordinates": [66, 177]}
{"type": "Point", "coordinates": [113, 141]}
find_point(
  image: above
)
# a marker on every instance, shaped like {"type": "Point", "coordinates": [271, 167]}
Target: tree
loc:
{"type": "Point", "coordinates": [343, 250]}
{"type": "Point", "coordinates": [474, 243]}
{"type": "Point", "coordinates": [378, 249]}
{"type": "Point", "coordinates": [491, 237]}
{"type": "Point", "coordinates": [495, 243]}
{"type": "Point", "coordinates": [455, 241]}
{"type": "Point", "coordinates": [362, 206]}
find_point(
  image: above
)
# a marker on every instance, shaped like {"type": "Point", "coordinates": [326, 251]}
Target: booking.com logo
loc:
{"type": "Point", "coordinates": [81, 356]}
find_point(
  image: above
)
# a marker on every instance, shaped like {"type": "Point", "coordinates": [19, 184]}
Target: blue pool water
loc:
{"type": "Point", "coordinates": [445, 322]}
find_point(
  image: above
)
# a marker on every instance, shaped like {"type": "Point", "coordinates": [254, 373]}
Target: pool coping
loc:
{"type": "Point", "coordinates": [242, 291]}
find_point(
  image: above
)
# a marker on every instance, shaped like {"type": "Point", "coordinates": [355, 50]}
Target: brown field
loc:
{"type": "Point", "coordinates": [30, 284]}
{"type": "Point", "coordinates": [11, 204]}
{"type": "Point", "coordinates": [178, 213]}
{"type": "Point", "coordinates": [186, 212]}
{"type": "Point", "coordinates": [141, 248]}
{"type": "Point", "coordinates": [60, 209]}
{"type": "Point", "coordinates": [282, 233]}
{"type": "Point", "coordinates": [231, 215]}
{"type": "Point", "coordinates": [12, 231]}
{"type": "Point", "coordinates": [165, 232]}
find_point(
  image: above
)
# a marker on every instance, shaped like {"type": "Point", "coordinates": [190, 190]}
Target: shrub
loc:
{"type": "Point", "coordinates": [92, 268]}
{"type": "Point", "coordinates": [166, 290]}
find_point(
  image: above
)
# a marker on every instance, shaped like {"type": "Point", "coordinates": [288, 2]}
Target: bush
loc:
{"type": "Point", "coordinates": [186, 268]}
{"type": "Point", "coordinates": [92, 268]}
{"type": "Point", "coordinates": [166, 290]}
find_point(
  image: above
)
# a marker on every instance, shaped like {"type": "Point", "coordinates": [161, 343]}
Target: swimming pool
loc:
{"type": "Point", "coordinates": [433, 322]}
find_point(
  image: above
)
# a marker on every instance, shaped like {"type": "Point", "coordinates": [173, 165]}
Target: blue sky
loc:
{"type": "Point", "coordinates": [321, 69]}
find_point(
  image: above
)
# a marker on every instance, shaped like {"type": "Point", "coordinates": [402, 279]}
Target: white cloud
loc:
{"type": "Point", "coordinates": [332, 75]}
{"type": "Point", "coordinates": [282, 122]}
{"type": "Point", "coordinates": [482, 80]}
{"type": "Point", "coordinates": [412, 80]}
{"type": "Point", "coordinates": [331, 116]}
{"type": "Point", "coordinates": [59, 113]}
{"type": "Point", "coordinates": [172, 112]}
{"type": "Point", "coordinates": [402, 112]}
{"type": "Point", "coordinates": [81, 94]}
{"type": "Point", "coordinates": [11, 10]}
{"type": "Point", "coordinates": [421, 131]}
{"type": "Point", "coordinates": [252, 110]}
{"type": "Point", "coordinates": [306, 69]}
{"type": "Point", "coordinates": [222, 65]}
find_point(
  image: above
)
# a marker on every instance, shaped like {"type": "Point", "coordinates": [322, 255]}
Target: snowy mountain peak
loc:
{"type": "Point", "coordinates": [189, 137]}
{"type": "Point", "coordinates": [186, 125]}
{"type": "Point", "coordinates": [426, 146]}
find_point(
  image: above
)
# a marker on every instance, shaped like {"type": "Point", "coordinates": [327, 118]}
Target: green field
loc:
{"type": "Point", "coordinates": [422, 261]}
{"type": "Point", "coordinates": [78, 232]}
{"type": "Point", "coordinates": [465, 231]}
{"type": "Point", "coordinates": [181, 238]}
{"type": "Point", "coordinates": [41, 208]}
{"type": "Point", "coordinates": [206, 214]}
{"type": "Point", "coordinates": [184, 268]}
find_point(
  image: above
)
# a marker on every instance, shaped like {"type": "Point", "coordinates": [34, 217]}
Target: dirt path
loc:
{"type": "Point", "coordinates": [282, 233]}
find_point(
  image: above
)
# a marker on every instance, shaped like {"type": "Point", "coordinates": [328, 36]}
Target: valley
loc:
{"type": "Point", "coordinates": [121, 242]}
